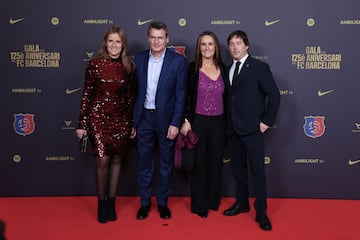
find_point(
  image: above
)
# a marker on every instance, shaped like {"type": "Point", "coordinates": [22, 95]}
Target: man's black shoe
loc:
{"type": "Point", "coordinates": [236, 209]}
{"type": "Point", "coordinates": [264, 221]}
{"type": "Point", "coordinates": [164, 212]}
{"type": "Point", "coordinates": [143, 212]}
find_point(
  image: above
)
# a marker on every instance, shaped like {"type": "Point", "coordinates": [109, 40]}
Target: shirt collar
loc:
{"type": "Point", "coordinates": [159, 59]}
{"type": "Point", "coordinates": [242, 60]}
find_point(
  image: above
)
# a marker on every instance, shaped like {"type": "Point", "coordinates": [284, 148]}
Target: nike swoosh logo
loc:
{"type": "Point", "coordinates": [269, 23]}
{"type": "Point", "coordinates": [71, 91]}
{"type": "Point", "coordinates": [353, 162]}
{"type": "Point", "coordinates": [14, 21]}
{"type": "Point", "coordinates": [320, 93]}
{"type": "Point", "coordinates": [226, 160]}
{"type": "Point", "coordinates": [140, 23]}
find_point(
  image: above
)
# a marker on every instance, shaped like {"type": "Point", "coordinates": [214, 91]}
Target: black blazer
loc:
{"type": "Point", "coordinates": [253, 97]}
{"type": "Point", "coordinates": [192, 88]}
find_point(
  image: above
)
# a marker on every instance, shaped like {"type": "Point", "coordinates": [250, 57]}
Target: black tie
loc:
{"type": "Point", "coordinates": [236, 72]}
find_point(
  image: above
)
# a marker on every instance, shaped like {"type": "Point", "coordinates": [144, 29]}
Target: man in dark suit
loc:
{"type": "Point", "coordinates": [253, 100]}
{"type": "Point", "coordinates": [160, 79]}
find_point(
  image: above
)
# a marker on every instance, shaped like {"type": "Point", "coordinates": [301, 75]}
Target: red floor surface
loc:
{"type": "Point", "coordinates": [52, 218]}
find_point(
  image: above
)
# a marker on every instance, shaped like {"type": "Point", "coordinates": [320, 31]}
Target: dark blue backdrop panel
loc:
{"type": "Point", "coordinates": [312, 151]}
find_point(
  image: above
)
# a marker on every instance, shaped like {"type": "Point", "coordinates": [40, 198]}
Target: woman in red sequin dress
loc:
{"type": "Point", "coordinates": [105, 114]}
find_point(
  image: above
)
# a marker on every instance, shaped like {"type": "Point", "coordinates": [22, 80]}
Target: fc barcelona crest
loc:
{"type": "Point", "coordinates": [179, 49]}
{"type": "Point", "coordinates": [314, 126]}
{"type": "Point", "coordinates": [24, 124]}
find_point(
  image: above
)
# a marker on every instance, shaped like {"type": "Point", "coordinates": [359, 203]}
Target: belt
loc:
{"type": "Point", "coordinates": [150, 110]}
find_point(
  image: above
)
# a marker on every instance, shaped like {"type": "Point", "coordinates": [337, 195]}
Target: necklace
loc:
{"type": "Point", "coordinates": [208, 64]}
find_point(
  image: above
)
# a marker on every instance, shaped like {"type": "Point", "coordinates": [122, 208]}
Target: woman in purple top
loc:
{"type": "Point", "coordinates": [204, 115]}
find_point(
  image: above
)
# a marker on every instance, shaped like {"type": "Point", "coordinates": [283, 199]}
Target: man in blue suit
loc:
{"type": "Point", "coordinates": [253, 101]}
{"type": "Point", "coordinates": [160, 78]}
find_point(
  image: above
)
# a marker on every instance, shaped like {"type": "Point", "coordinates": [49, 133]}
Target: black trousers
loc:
{"type": "Point", "coordinates": [247, 155]}
{"type": "Point", "coordinates": [206, 175]}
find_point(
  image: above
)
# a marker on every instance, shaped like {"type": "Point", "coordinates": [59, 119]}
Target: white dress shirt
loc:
{"type": "Point", "coordinates": [232, 68]}
{"type": "Point", "coordinates": [153, 74]}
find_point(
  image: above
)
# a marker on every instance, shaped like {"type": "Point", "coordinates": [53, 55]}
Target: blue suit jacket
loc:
{"type": "Point", "coordinates": [170, 94]}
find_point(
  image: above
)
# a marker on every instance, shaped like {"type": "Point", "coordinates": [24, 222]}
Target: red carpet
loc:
{"type": "Point", "coordinates": [52, 218]}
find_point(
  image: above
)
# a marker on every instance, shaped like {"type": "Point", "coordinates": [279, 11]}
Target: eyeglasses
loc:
{"type": "Point", "coordinates": [153, 38]}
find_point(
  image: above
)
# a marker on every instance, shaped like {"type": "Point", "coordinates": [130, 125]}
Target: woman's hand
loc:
{"type": "Point", "coordinates": [186, 127]}
{"type": "Point", "coordinates": [80, 133]}
{"type": "Point", "coordinates": [133, 133]}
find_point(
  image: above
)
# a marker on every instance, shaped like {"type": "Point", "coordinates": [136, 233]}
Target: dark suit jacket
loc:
{"type": "Point", "coordinates": [192, 89]}
{"type": "Point", "coordinates": [170, 94]}
{"type": "Point", "coordinates": [253, 97]}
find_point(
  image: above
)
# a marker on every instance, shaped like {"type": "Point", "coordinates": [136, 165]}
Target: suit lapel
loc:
{"type": "Point", "coordinates": [165, 67]}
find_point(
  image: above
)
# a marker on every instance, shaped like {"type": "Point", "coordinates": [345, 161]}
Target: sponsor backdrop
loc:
{"type": "Point", "coordinates": [312, 48]}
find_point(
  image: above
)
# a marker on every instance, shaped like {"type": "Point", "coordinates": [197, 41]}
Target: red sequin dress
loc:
{"type": "Point", "coordinates": [106, 106]}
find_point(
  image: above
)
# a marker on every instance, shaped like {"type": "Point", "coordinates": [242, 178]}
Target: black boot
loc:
{"type": "Point", "coordinates": [102, 218]}
{"type": "Point", "coordinates": [111, 212]}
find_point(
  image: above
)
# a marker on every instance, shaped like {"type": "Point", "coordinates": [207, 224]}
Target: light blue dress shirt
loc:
{"type": "Point", "coordinates": [154, 70]}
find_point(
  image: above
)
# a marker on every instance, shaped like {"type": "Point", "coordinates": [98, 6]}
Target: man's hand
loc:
{"type": "Point", "coordinates": [263, 127]}
{"type": "Point", "coordinates": [172, 132]}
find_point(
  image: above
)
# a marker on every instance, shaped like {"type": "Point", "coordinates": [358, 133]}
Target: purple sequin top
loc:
{"type": "Point", "coordinates": [209, 96]}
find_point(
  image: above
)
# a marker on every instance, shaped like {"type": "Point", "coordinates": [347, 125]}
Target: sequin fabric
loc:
{"type": "Point", "coordinates": [106, 106]}
{"type": "Point", "coordinates": [209, 96]}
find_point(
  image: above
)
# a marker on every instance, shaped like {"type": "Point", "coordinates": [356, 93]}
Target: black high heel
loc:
{"type": "Point", "coordinates": [102, 216]}
{"type": "Point", "coordinates": [111, 212]}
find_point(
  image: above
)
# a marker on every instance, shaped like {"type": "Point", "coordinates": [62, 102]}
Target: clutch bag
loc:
{"type": "Point", "coordinates": [83, 143]}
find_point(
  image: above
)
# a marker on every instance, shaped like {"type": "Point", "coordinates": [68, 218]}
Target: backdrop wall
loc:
{"type": "Point", "coordinates": [312, 48]}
